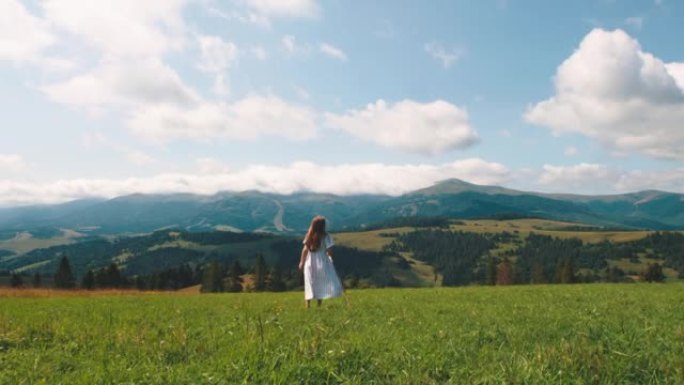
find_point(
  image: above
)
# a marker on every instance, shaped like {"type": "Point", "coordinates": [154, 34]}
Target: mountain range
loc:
{"type": "Point", "coordinates": [252, 211]}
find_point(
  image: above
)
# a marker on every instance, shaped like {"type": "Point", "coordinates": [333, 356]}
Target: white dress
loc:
{"type": "Point", "coordinates": [320, 279]}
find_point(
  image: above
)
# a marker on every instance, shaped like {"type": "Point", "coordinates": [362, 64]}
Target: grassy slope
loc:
{"type": "Point", "coordinates": [422, 274]}
{"type": "Point", "coordinates": [580, 334]}
{"type": "Point", "coordinates": [547, 227]}
{"type": "Point", "coordinates": [373, 240]}
{"type": "Point", "coordinates": [24, 242]}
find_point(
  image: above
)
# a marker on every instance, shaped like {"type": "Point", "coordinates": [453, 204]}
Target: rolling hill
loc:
{"type": "Point", "coordinates": [288, 214]}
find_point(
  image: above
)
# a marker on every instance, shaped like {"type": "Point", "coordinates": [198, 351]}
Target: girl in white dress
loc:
{"type": "Point", "coordinates": [320, 279]}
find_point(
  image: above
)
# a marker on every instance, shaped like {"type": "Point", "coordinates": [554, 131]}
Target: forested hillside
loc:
{"type": "Point", "coordinates": [423, 252]}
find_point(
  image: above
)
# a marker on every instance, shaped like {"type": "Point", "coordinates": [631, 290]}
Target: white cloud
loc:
{"type": "Point", "coordinates": [635, 21]}
{"type": "Point", "coordinates": [243, 17]}
{"type": "Point", "coordinates": [217, 55]}
{"type": "Point", "coordinates": [128, 41]}
{"type": "Point", "coordinates": [371, 178]}
{"type": "Point", "coordinates": [292, 47]}
{"type": "Point", "coordinates": [11, 163]}
{"type": "Point", "coordinates": [612, 91]}
{"type": "Point", "coordinates": [285, 8]}
{"type": "Point", "coordinates": [425, 128]}
{"type": "Point", "coordinates": [139, 158]}
{"type": "Point", "coordinates": [289, 42]}
{"type": "Point", "coordinates": [123, 28]}
{"type": "Point", "coordinates": [677, 72]}
{"type": "Point", "coordinates": [93, 139]}
{"type": "Point", "coordinates": [333, 51]}
{"type": "Point", "coordinates": [575, 176]}
{"type": "Point", "coordinates": [570, 151]}
{"type": "Point", "coordinates": [343, 179]}
{"type": "Point", "coordinates": [598, 178]}
{"type": "Point", "coordinates": [245, 119]}
{"type": "Point", "coordinates": [122, 84]}
{"type": "Point", "coordinates": [211, 166]}
{"type": "Point", "coordinates": [22, 36]}
{"type": "Point", "coordinates": [446, 56]}
{"type": "Point", "coordinates": [637, 180]}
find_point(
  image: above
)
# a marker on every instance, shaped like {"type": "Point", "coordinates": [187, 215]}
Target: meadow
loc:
{"type": "Point", "coordinates": [557, 334]}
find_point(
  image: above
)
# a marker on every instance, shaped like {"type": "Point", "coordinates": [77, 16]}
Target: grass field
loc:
{"type": "Point", "coordinates": [577, 334]}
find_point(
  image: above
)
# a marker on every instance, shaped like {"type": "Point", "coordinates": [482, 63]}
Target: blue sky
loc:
{"type": "Point", "coordinates": [108, 98]}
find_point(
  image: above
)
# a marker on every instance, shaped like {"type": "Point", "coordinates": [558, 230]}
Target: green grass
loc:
{"type": "Point", "coordinates": [578, 334]}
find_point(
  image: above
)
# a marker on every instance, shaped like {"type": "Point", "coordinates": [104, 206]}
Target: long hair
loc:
{"type": "Point", "coordinates": [315, 234]}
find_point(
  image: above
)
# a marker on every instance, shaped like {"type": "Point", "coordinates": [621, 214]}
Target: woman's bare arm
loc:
{"type": "Point", "coordinates": [302, 258]}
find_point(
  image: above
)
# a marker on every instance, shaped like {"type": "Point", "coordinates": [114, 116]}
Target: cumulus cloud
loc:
{"type": "Point", "coordinates": [123, 28]}
{"type": "Point", "coordinates": [11, 163]}
{"type": "Point", "coordinates": [424, 128]}
{"type": "Point", "coordinates": [128, 42]}
{"type": "Point", "coordinates": [609, 89]}
{"type": "Point", "coordinates": [248, 17]}
{"type": "Point", "coordinates": [333, 52]}
{"type": "Point", "coordinates": [217, 56]}
{"type": "Point", "coordinates": [575, 176]}
{"type": "Point", "coordinates": [211, 166]}
{"type": "Point", "coordinates": [343, 179]}
{"type": "Point", "coordinates": [22, 36]}
{"type": "Point", "coordinates": [285, 8]}
{"type": "Point", "coordinates": [599, 178]}
{"type": "Point", "coordinates": [245, 119]}
{"type": "Point", "coordinates": [444, 55]}
{"type": "Point", "coordinates": [122, 84]}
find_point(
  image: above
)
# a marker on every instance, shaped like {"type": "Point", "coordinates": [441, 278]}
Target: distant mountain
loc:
{"type": "Point", "coordinates": [255, 211]}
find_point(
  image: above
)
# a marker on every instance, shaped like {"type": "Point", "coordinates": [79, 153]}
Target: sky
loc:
{"type": "Point", "coordinates": [106, 98]}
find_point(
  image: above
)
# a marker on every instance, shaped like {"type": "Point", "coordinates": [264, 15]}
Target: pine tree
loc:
{"type": "Point", "coordinates": [88, 281]}
{"type": "Point", "coordinates": [504, 275]}
{"type": "Point", "coordinates": [567, 274]}
{"type": "Point", "coordinates": [275, 282]}
{"type": "Point", "coordinates": [653, 273]}
{"type": "Point", "coordinates": [114, 276]}
{"type": "Point", "coordinates": [212, 279]}
{"type": "Point", "coordinates": [64, 279]}
{"type": "Point", "coordinates": [558, 275]}
{"type": "Point", "coordinates": [101, 278]}
{"type": "Point", "coordinates": [16, 280]}
{"type": "Point", "coordinates": [234, 281]}
{"type": "Point", "coordinates": [490, 278]}
{"type": "Point", "coordinates": [36, 280]}
{"type": "Point", "coordinates": [260, 271]}
{"type": "Point", "coordinates": [140, 283]}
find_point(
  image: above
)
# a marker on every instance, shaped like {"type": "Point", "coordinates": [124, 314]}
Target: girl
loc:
{"type": "Point", "coordinates": [320, 279]}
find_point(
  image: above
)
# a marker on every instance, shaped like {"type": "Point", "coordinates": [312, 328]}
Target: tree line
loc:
{"type": "Point", "coordinates": [460, 258]}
